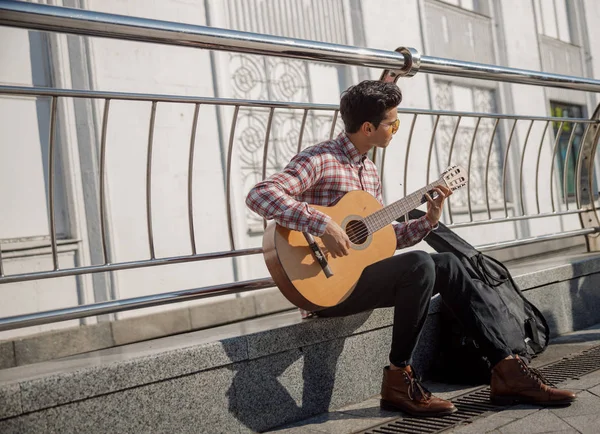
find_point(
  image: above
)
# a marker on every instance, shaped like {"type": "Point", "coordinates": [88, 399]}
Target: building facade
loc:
{"type": "Point", "coordinates": [550, 35]}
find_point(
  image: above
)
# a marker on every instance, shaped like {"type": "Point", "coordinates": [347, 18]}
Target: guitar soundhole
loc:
{"type": "Point", "coordinates": [357, 232]}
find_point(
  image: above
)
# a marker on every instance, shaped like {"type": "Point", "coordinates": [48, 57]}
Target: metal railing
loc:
{"type": "Point", "coordinates": [496, 202]}
{"type": "Point", "coordinates": [81, 22]}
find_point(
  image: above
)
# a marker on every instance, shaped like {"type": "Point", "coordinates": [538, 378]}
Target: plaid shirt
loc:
{"type": "Point", "coordinates": [321, 175]}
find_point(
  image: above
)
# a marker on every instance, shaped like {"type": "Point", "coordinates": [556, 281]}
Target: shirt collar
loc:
{"type": "Point", "coordinates": [349, 148]}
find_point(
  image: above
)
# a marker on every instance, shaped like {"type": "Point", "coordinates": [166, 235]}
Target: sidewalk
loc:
{"type": "Point", "coordinates": [583, 416]}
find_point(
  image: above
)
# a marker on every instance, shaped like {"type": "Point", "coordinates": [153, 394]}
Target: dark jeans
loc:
{"type": "Point", "coordinates": [407, 282]}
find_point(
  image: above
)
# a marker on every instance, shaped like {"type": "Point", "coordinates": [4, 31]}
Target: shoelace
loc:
{"type": "Point", "coordinates": [535, 374]}
{"type": "Point", "coordinates": [540, 377]}
{"type": "Point", "coordinates": [415, 385]}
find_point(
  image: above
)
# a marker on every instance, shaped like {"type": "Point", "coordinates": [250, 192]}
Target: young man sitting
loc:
{"type": "Point", "coordinates": [321, 175]}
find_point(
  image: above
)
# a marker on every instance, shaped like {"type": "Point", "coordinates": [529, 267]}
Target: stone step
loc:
{"type": "Point", "coordinates": [366, 414]}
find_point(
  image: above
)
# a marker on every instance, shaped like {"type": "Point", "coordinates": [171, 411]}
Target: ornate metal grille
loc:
{"type": "Point", "coordinates": [483, 100]}
{"type": "Point", "coordinates": [283, 143]}
{"type": "Point", "coordinates": [276, 79]}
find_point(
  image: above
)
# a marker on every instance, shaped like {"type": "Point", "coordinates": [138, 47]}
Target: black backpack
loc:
{"type": "Point", "coordinates": [522, 325]}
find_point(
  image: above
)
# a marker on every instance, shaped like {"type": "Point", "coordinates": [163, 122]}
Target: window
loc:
{"type": "Point", "coordinates": [465, 4]}
{"type": "Point", "coordinates": [454, 97]}
{"type": "Point", "coordinates": [563, 110]}
{"type": "Point", "coordinates": [459, 33]}
{"type": "Point", "coordinates": [553, 19]}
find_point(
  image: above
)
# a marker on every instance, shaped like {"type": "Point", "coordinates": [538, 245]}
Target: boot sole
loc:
{"type": "Point", "coordinates": [511, 400]}
{"type": "Point", "coordinates": [386, 405]}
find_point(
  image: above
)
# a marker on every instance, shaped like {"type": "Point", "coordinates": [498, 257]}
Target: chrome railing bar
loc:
{"type": "Point", "coordinates": [103, 180]}
{"type": "Point", "coordinates": [301, 134]}
{"type": "Point", "coordinates": [99, 24]}
{"type": "Point", "coordinates": [35, 16]}
{"type": "Point", "coordinates": [460, 68]}
{"type": "Point", "coordinates": [487, 169]}
{"type": "Point", "coordinates": [410, 136]}
{"type": "Point", "coordinates": [469, 167]}
{"type": "Point", "coordinates": [537, 169]}
{"type": "Point", "coordinates": [51, 179]}
{"type": "Point", "coordinates": [591, 171]}
{"type": "Point", "coordinates": [382, 171]}
{"type": "Point", "coordinates": [515, 218]}
{"type": "Point", "coordinates": [577, 171]}
{"type": "Point", "coordinates": [453, 141]}
{"type": "Point", "coordinates": [448, 204]}
{"type": "Point", "coordinates": [485, 115]}
{"type": "Point", "coordinates": [103, 308]}
{"type": "Point", "coordinates": [94, 94]}
{"type": "Point", "coordinates": [332, 132]}
{"type": "Point", "coordinates": [533, 240]}
{"type": "Point", "coordinates": [431, 143]}
{"type": "Point", "coordinates": [11, 278]}
{"type": "Point", "coordinates": [565, 167]}
{"type": "Point", "coordinates": [266, 150]}
{"type": "Point", "coordinates": [228, 182]}
{"type": "Point", "coordinates": [522, 165]}
{"type": "Point", "coordinates": [191, 178]}
{"type": "Point", "coordinates": [554, 153]}
{"type": "Point", "coordinates": [591, 177]}
{"type": "Point", "coordinates": [149, 180]}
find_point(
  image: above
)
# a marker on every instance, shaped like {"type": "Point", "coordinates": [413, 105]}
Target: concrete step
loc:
{"type": "Point", "coordinates": [256, 374]}
{"type": "Point", "coordinates": [582, 416]}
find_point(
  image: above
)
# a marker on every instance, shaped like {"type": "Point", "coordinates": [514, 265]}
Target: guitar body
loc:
{"type": "Point", "coordinates": [298, 274]}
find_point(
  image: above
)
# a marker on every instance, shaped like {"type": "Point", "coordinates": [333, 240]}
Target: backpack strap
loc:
{"type": "Point", "coordinates": [443, 239]}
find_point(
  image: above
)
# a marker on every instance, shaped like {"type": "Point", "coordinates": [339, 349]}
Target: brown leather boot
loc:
{"type": "Point", "coordinates": [400, 390]}
{"type": "Point", "coordinates": [513, 381]}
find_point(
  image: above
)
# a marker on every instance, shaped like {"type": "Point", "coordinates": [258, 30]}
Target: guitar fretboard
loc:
{"type": "Point", "coordinates": [388, 214]}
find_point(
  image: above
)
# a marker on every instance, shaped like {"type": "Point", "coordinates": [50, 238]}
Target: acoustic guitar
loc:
{"type": "Point", "coordinates": [312, 279]}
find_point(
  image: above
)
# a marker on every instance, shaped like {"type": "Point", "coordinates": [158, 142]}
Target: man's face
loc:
{"type": "Point", "coordinates": [382, 136]}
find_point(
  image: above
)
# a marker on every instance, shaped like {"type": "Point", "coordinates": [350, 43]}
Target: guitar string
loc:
{"type": "Point", "coordinates": [386, 215]}
{"type": "Point", "coordinates": [381, 217]}
{"type": "Point", "coordinates": [374, 222]}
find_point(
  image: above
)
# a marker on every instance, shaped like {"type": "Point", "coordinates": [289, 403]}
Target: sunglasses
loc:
{"type": "Point", "coordinates": [395, 125]}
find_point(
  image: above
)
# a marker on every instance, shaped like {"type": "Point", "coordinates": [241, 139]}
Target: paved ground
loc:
{"type": "Point", "coordinates": [581, 417]}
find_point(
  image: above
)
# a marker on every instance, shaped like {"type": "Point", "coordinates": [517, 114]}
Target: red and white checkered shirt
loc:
{"type": "Point", "coordinates": [321, 175]}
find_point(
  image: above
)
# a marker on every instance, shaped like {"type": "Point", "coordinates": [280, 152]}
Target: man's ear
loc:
{"type": "Point", "coordinates": [367, 128]}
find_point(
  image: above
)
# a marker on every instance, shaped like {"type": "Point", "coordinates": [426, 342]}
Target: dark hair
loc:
{"type": "Point", "coordinates": [367, 102]}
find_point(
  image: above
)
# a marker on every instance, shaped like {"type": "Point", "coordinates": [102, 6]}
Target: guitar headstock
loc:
{"type": "Point", "coordinates": [455, 177]}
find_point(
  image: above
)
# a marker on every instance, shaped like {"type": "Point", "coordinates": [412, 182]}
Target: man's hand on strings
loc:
{"type": "Point", "coordinates": [335, 239]}
{"type": "Point", "coordinates": [435, 206]}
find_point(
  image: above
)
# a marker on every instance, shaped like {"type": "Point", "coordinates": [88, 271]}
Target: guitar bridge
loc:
{"type": "Point", "coordinates": [318, 255]}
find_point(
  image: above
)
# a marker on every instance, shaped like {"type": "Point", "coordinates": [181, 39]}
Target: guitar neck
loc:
{"type": "Point", "coordinates": [388, 214]}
